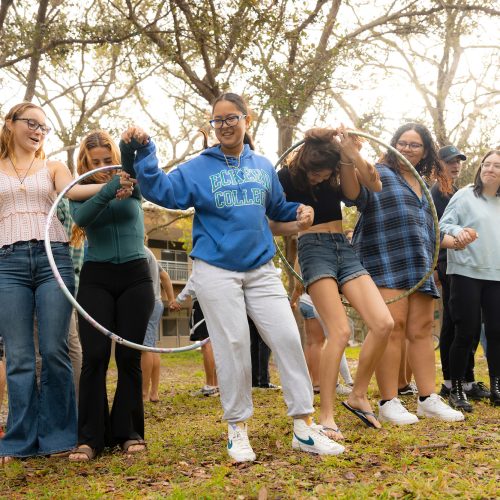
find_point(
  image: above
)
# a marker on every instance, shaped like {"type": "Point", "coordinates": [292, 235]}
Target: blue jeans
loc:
{"type": "Point", "coordinates": [42, 419]}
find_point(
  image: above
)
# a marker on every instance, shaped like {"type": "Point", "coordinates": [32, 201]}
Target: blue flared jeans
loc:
{"type": "Point", "coordinates": [42, 415]}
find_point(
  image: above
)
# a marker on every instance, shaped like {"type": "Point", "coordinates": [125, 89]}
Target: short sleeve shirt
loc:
{"type": "Point", "coordinates": [395, 235]}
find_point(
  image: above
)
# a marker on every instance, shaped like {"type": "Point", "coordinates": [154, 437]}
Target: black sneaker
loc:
{"type": "Point", "coordinates": [273, 387]}
{"type": "Point", "coordinates": [477, 391]}
{"type": "Point", "coordinates": [457, 397]}
{"type": "Point", "coordinates": [408, 390]}
{"type": "Point", "coordinates": [444, 392]}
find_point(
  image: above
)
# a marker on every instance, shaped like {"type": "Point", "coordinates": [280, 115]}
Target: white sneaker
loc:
{"type": "Point", "coordinates": [310, 438]}
{"type": "Point", "coordinates": [435, 407]}
{"type": "Point", "coordinates": [395, 413]}
{"type": "Point", "coordinates": [343, 390]}
{"type": "Point", "coordinates": [238, 445]}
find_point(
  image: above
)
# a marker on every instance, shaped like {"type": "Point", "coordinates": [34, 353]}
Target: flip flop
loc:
{"type": "Point", "coordinates": [331, 429]}
{"type": "Point", "coordinates": [361, 414]}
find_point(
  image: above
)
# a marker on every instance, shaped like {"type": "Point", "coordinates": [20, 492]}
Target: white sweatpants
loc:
{"type": "Point", "coordinates": [226, 297]}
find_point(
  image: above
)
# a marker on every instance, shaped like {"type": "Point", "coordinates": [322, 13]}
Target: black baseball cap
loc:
{"type": "Point", "coordinates": [449, 152]}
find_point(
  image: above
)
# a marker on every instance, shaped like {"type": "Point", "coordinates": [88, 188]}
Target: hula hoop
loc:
{"type": "Point", "coordinates": [79, 308]}
{"type": "Point", "coordinates": [425, 191]}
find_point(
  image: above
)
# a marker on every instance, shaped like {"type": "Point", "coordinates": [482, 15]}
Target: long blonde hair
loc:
{"type": "Point", "coordinates": [7, 137]}
{"type": "Point", "coordinates": [95, 139]}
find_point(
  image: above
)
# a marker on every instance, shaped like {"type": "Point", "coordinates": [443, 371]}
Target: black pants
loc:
{"type": "Point", "coordinates": [448, 330]}
{"type": "Point", "coordinates": [121, 298]}
{"type": "Point", "coordinates": [260, 357]}
{"type": "Point", "coordinates": [468, 298]}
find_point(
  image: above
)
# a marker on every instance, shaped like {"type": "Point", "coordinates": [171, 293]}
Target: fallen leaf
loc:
{"type": "Point", "coordinates": [262, 493]}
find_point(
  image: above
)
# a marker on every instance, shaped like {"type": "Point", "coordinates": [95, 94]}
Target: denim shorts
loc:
{"type": "Point", "coordinates": [328, 255]}
{"type": "Point", "coordinates": [306, 310]}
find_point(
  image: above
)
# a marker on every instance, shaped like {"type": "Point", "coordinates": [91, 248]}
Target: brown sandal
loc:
{"type": "Point", "coordinates": [84, 449]}
{"type": "Point", "coordinates": [133, 442]}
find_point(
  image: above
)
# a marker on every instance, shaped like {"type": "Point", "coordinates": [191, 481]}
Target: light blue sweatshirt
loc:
{"type": "Point", "coordinates": [480, 259]}
{"type": "Point", "coordinates": [230, 229]}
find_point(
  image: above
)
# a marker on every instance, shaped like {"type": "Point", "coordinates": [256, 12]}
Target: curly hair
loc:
{"type": "Point", "coordinates": [429, 166]}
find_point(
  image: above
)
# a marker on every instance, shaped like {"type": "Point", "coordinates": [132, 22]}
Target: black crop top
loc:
{"type": "Point", "coordinates": [327, 203]}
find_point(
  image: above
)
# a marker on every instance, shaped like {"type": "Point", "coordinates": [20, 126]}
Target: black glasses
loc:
{"type": "Point", "coordinates": [230, 121]}
{"type": "Point", "coordinates": [34, 125]}
{"type": "Point", "coordinates": [411, 145]}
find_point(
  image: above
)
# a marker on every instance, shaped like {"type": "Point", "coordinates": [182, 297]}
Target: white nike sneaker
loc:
{"type": "Point", "coordinates": [310, 438]}
{"type": "Point", "coordinates": [395, 413]}
{"type": "Point", "coordinates": [238, 445]}
{"type": "Point", "coordinates": [435, 407]}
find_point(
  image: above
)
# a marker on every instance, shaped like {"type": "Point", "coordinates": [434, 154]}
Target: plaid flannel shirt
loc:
{"type": "Point", "coordinates": [395, 234]}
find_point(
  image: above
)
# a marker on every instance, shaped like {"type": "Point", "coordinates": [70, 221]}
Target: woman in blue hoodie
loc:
{"type": "Point", "coordinates": [234, 191]}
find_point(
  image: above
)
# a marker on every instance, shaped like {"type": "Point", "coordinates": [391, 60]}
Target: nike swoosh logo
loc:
{"type": "Point", "coordinates": [229, 444]}
{"type": "Point", "coordinates": [308, 441]}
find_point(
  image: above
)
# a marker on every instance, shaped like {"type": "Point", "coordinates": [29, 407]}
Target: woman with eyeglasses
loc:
{"type": "Point", "coordinates": [234, 191]}
{"type": "Point", "coordinates": [42, 419]}
{"type": "Point", "coordinates": [395, 239]}
{"type": "Point", "coordinates": [473, 217]}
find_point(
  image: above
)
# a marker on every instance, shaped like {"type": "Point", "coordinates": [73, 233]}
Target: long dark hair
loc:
{"type": "Point", "coordinates": [240, 103]}
{"type": "Point", "coordinates": [320, 151]}
{"type": "Point", "coordinates": [478, 183]}
{"type": "Point", "coordinates": [429, 166]}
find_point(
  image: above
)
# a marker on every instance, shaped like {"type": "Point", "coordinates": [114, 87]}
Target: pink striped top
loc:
{"type": "Point", "coordinates": [23, 213]}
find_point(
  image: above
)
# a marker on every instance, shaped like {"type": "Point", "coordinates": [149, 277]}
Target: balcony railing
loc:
{"type": "Point", "coordinates": [178, 271]}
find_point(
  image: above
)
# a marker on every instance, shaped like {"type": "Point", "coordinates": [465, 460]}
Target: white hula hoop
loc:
{"type": "Point", "coordinates": [79, 308]}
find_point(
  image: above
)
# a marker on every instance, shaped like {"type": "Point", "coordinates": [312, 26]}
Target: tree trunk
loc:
{"type": "Point", "coordinates": [37, 44]}
{"type": "Point", "coordinates": [4, 7]}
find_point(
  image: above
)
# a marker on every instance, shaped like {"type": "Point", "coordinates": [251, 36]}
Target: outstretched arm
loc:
{"type": "Point", "coordinates": [172, 190]}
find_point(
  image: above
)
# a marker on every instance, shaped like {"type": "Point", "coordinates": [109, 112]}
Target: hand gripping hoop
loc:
{"type": "Point", "coordinates": [79, 308]}
{"type": "Point", "coordinates": [424, 189]}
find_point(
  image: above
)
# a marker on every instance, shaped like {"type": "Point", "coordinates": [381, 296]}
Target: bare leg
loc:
{"type": "Point", "coordinates": [315, 339]}
{"type": "Point", "coordinates": [388, 367]}
{"type": "Point", "coordinates": [155, 378]}
{"type": "Point", "coordinates": [147, 369]}
{"type": "Point", "coordinates": [325, 296]}
{"type": "Point", "coordinates": [420, 346]}
{"type": "Point", "coordinates": [405, 372]}
{"type": "Point", "coordinates": [209, 364]}
{"type": "Point", "coordinates": [363, 295]}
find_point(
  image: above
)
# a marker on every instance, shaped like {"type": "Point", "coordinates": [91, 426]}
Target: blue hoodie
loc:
{"type": "Point", "coordinates": [230, 229]}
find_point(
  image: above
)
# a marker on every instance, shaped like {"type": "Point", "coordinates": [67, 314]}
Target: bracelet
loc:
{"type": "Point", "coordinates": [346, 162]}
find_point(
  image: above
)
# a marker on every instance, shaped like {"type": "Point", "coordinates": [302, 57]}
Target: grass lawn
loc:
{"type": "Point", "coordinates": [186, 457]}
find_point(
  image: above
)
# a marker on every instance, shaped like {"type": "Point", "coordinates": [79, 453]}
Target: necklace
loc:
{"type": "Point", "coordinates": [232, 166]}
{"type": "Point", "coordinates": [22, 187]}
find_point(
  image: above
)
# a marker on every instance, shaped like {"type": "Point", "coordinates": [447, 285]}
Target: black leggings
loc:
{"type": "Point", "coordinates": [468, 298]}
{"type": "Point", "coordinates": [121, 298]}
{"type": "Point", "coordinates": [448, 330]}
